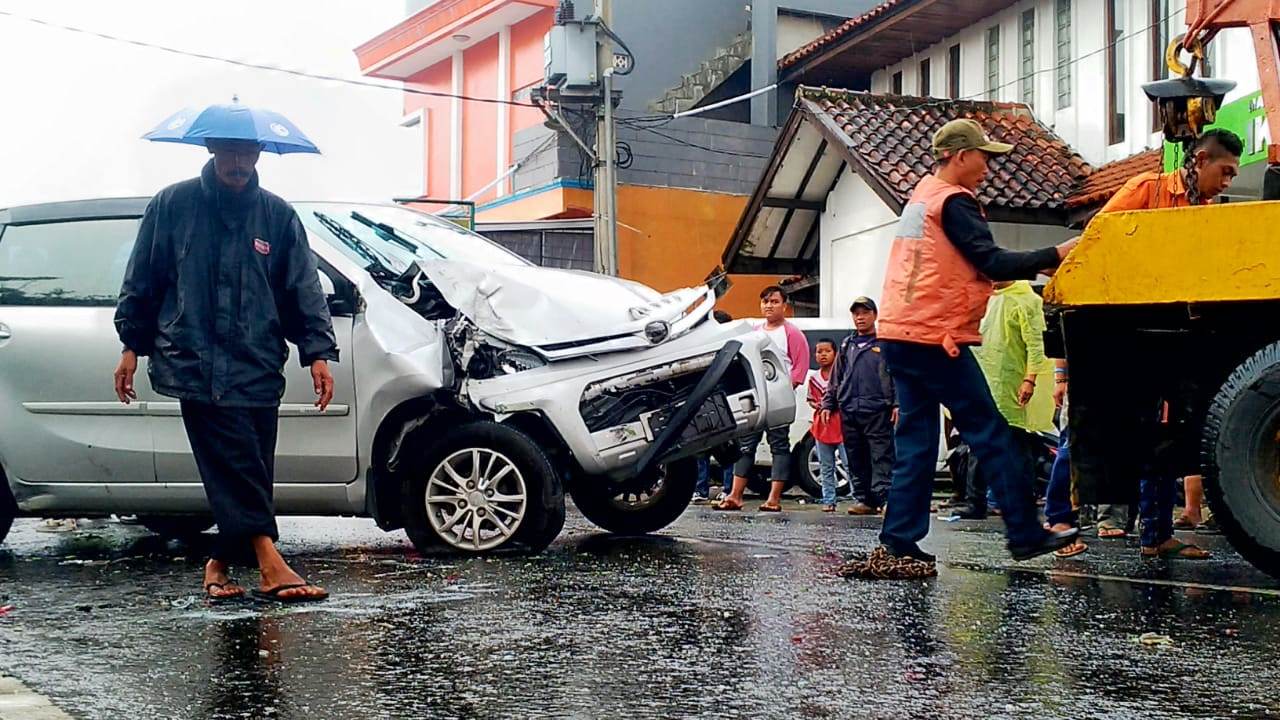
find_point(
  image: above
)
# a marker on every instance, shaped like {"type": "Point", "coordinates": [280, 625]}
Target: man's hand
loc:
{"type": "Point", "coordinates": [824, 417]}
{"type": "Point", "coordinates": [1059, 393]}
{"type": "Point", "coordinates": [124, 376]}
{"type": "Point", "coordinates": [323, 380]}
{"type": "Point", "coordinates": [1067, 247]}
{"type": "Point", "coordinates": [893, 417]}
{"type": "Point", "coordinates": [1025, 391]}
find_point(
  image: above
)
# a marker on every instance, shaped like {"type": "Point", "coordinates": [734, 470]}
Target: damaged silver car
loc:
{"type": "Point", "coordinates": [474, 388]}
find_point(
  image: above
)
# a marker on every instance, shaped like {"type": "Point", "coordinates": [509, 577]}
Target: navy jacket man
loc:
{"type": "Point", "coordinates": [862, 392]}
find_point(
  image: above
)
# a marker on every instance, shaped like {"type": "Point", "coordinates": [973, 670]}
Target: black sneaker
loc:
{"type": "Point", "coordinates": [913, 552]}
{"type": "Point", "coordinates": [969, 512]}
{"type": "Point", "coordinates": [1049, 542]}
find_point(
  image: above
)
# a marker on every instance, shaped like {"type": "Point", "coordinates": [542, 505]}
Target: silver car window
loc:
{"type": "Point", "coordinates": [65, 263]}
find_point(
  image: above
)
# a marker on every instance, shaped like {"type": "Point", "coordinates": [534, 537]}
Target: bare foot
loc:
{"type": "Point", "coordinates": [217, 584]}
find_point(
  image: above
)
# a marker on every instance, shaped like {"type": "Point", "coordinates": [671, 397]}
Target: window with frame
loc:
{"type": "Point", "coordinates": [895, 85]}
{"type": "Point", "coordinates": [1115, 72]}
{"type": "Point", "coordinates": [924, 77]}
{"type": "Point", "coordinates": [1027, 58]}
{"type": "Point", "coordinates": [993, 62]}
{"type": "Point", "coordinates": [78, 263]}
{"type": "Point", "coordinates": [1159, 43]}
{"type": "Point", "coordinates": [953, 72]}
{"type": "Point", "coordinates": [1062, 41]}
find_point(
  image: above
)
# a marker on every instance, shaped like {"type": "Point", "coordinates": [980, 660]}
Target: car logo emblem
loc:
{"type": "Point", "coordinates": [657, 331]}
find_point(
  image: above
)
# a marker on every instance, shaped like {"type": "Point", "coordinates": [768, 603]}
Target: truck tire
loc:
{"type": "Point", "coordinates": [641, 506]}
{"type": "Point", "coordinates": [176, 527]}
{"type": "Point", "coordinates": [1240, 453]}
{"type": "Point", "coordinates": [804, 469]}
{"type": "Point", "coordinates": [480, 488]}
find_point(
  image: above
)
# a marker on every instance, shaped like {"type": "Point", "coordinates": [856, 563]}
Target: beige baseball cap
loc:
{"type": "Point", "coordinates": [965, 134]}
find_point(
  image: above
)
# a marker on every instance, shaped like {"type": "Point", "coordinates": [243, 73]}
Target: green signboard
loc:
{"type": "Point", "coordinates": [1246, 117]}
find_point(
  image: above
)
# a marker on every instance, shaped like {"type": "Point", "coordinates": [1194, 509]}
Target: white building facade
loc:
{"type": "Point", "coordinates": [1054, 55]}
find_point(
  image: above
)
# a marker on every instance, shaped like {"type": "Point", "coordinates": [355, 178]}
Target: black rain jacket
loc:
{"type": "Point", "coordinates": [217, 282]}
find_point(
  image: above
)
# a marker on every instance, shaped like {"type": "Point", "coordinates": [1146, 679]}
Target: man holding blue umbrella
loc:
{"type": "Point", "coordinates": [221, 276]}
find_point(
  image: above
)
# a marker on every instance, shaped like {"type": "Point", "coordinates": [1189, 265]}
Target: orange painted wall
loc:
{"type": "Point", "coordinates": [480, 120]}
{"type": "Point", "coordinates": [437, 78]}
{"type": "Point", "coordinates": [527, 65]}
{"type": "Point", "coordinates": [675, 239]}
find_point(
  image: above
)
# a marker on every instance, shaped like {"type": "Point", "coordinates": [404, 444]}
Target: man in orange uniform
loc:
{"type": "Point", "coordinates": [1213, 165]}
{"type": "Point", "coordinates": [937, 284]}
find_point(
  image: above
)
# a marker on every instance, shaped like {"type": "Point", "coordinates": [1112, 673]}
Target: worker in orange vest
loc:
{"type": "Point", "coordinates": [939, 278]}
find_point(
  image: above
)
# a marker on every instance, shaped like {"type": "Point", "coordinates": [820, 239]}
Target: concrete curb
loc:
{"type": "Point", "coordinates": [18, 702]}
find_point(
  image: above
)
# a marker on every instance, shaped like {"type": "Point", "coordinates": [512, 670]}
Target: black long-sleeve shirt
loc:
{"type": "Point", "coordinates": [967, 229]}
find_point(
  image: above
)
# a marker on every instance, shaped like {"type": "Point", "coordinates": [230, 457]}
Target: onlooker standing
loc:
{"type": "Point", "coordinates": [862, 393]}
{"type": "Point", "coordinates": [702, 489]}
{"type": "Point", "coordinates": [1012, 359]}
{"type": "Point", "coordinates": [828, 439]}
{"type": "Point", "coordinates": [793, 349]}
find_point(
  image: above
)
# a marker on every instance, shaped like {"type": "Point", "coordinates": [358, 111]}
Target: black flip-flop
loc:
{"type": "Point", "coordinates": [273, 595]}
{"type": "Point", "coordinates": [214, 600]}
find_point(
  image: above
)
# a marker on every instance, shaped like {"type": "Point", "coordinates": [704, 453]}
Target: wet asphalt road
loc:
{"type": "Point", "coordinates": [720, 616]}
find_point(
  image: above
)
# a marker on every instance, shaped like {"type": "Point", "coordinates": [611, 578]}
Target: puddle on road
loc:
{"type": "Point", "coordinates": [636, 628]}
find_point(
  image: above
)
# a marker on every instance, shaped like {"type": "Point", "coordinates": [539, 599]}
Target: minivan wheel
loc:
{"type": "Point", "coordinates": [176, 527]}
{"type": "Point", "coordinates": [641, 505]}
{"type": "Point", "coordinates": [483, 487]}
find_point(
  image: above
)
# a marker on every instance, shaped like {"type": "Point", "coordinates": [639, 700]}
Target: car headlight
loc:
{"type": "Point", "coordinates": [770, 371]}
{"type": "Point", "coordinates": [514, 361]}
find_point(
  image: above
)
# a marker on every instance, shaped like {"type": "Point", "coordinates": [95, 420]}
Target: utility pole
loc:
{"type": "Point", "coordinates": [606, 180]}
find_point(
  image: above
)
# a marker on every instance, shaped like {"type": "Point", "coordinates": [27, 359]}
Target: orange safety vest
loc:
{"type": "Point", "coordinates": [932, 294]}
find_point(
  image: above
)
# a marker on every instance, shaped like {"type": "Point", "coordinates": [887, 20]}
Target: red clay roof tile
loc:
{"type": "Point", "coordinates": [837, 33]}
{"type": "Point", "coordinates": [1108, 179]}
{"type": "Point", "coordinates": [893, 134]}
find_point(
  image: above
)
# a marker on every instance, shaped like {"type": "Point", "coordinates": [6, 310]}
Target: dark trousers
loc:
{"type": "Point", "coordinates": [925, 377]}
{"type": "Point", "coordinates": [235, 450]}
{"type": "Point", "coordinates": [1156, 497]}
{"type": "Point", "coordinates": [1058, 508]}
{"type": "Point", "coordinates": [978, 489]}
{"type": "Point", "coordinates": [868, 442]}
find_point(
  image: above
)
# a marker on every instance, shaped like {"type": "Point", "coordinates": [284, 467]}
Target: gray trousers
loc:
{"type": "Point", "coordinates": [779, 448]}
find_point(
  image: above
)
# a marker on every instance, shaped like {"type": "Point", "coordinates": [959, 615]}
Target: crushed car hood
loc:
{"type": "Point", "coordinates": [547, 309]}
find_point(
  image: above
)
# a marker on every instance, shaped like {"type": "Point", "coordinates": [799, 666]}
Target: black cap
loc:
{"type": "Point", "coordinates": [864, 302]}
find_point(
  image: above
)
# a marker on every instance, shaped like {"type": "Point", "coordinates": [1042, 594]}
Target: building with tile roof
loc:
{"type": "Point", "coordinates": [845, 164]}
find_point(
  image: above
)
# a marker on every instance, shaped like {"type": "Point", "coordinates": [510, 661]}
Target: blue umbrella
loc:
{"type": "Point", "coordinates": [194, 125]}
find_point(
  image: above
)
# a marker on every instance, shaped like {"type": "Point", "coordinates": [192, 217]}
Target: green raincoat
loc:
{"type": "Point", "coordinates": [1012, 346]}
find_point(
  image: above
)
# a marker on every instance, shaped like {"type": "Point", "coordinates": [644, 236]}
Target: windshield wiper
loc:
{"type": "Point", "coordinates": [377, 264]}
{"type": "Point", "coordinates": [392, 234]}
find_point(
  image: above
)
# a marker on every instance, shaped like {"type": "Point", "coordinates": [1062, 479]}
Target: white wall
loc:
{"type": "Point", "coordinates": [1084, 123]}
{"type": "Point", "coordinates": [856, 234]}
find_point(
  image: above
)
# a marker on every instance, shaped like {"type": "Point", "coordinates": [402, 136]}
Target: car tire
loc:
{"type": "Point", "coordinates": [450, 504]}
{"type": "Point", "coordinates": [8, 508]}
{"type": "Point", "coordinates": [639, 506]}
{"type": "Point", "coordinates": [804, 470]}
{"type": "Point", "coordinates": [176, 527]}
{"type": "Point", "coordinates": [1240, 455]}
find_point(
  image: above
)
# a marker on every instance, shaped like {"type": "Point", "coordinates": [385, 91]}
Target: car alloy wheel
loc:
{"type": "Point", "coordinates": [476, 499]}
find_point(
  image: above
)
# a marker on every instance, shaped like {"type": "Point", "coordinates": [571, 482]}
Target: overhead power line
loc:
{"type": "Point", "coordinates": [260, 66]}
